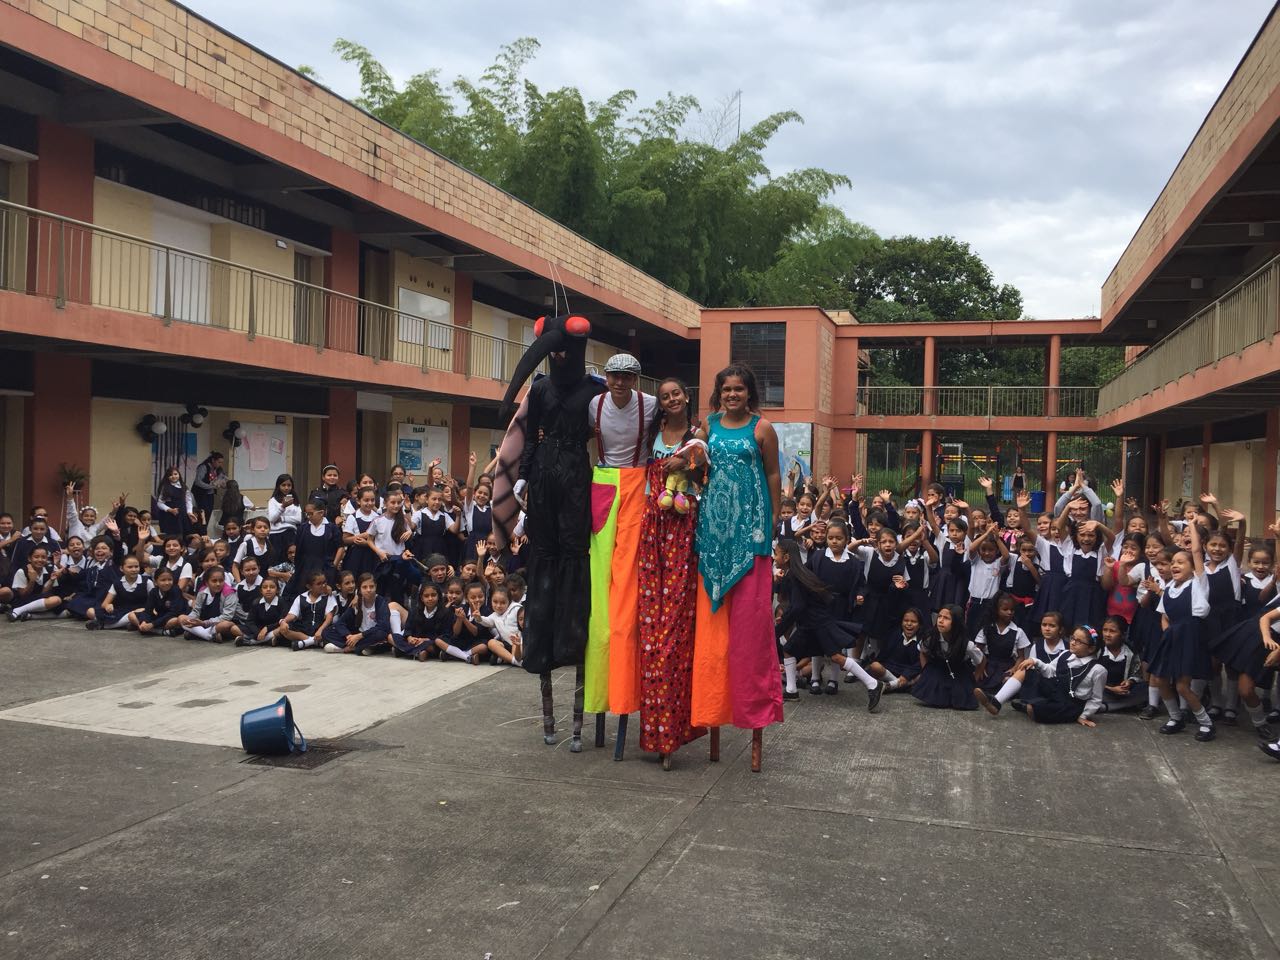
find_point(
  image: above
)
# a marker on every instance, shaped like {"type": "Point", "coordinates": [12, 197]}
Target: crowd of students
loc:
{"type": "Point", "coordinates": [412, 569]}
{"type": "Point", "coordinates": [1063, 616]}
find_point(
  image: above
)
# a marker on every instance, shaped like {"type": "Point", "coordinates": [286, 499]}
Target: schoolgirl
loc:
{"type": "Point", "coordinates": [808, 610]}
{"type": "Point", "coordinates": [948, 659]}
{"type": "Point", "coordinates": [127, 594]}
{"type": "Point", "coordinates": [1002, 642]}
{"type": "Point", "coordinates": [1117, 580]}
{"type": "Point", "coordinates": [165, 603]}
{"type": "Point", "coordinates": [319, 545]}
{"type": "Point", "coordinates": [1069, 690]}
{"type": "Point", "coordinates": [1244, 649]}
{"type": "Point", "coordinates": [1083, 598]}
{"type": "Point", "coordinates": [262, 620]}
{"type": "Point", "coordinates": [222, 555]}
{"type": "Point", "coordinates": [1050, 645]}
{"type": "Point", "coordinates": [471, 636]}
{"type": "Point", "coordinates": [504, 621]}
{"type": "Point", "coordinates": [175, 561]}
{"type": "Point", "coordinates": [1022, 580]}
{"type": "Point", "coordinates": [1125, 687]}
{"type": "Point", "coordinates": [951, 540]}
{"type": "Point", "coordinates": [67, 576]}
{"type": "Point", "coordinates": [1052, 543]}
{"type": "Point", "coordinates": [95, 581]}
{"type": "Point", "coordinates": [358, 534]}
{"type": "Point", "coordinates": [257, 545]}
{"type": "Point", "coordinates": [898, 663]}
{"type": "Point", "coordinates": [987, 556]}
{"type": "Point", "coordinates": [428, 621]}
{"type": "Point", "coordinates": [330, 493]}
{"type": "Point", "coordinates": [883, 596]}
{"type": "Point", "coordinates": [309, 616]}
{"type": "Point", "coordinates": [345, 593]}
{"type": "Point", "coordinates": [232, 535]}
{"type": "Point", "coordinates": [392, 532]}
{"type": "Point", "coordinates": [234, 504]}
{"type": "Point", "coordinates": [919, 556]}
{"type": "Point", "coordinates": [364, 627]}
{"type": "Point", "coordinates": [38, 536]}
{"type": "Point", "coordinates": [435, 529]}
{"type": "Point", "coordinates": [25, 595]}
{"type": "Point", "coordinates": [174, 504]}
{"type": "Point", "coordinates": [84, 522]}
{"type": "Point", "coordinates": [213, 613]}
{"type": "Point", "coordinates": [477, 518]}
{"type": "Point", "coordinates": [1181, 655]}
{"type": "Point", "coordinates": [283, 515]}
{"type": "Point", "coordinates": [786, 510]}
{"type": "Point", "coordinates": [843, 573]}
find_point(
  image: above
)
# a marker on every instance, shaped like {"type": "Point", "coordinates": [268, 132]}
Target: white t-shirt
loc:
{"type": "Point", "coordinates": [623, 428]}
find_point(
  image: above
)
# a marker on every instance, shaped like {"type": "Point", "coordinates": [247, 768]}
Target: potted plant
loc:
{"type": "Point", "coordinates": [72, 474]}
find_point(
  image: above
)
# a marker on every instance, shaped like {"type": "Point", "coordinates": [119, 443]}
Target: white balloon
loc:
{"type": "Point", "coordinates": [240, 434]}
{"type": "Point", "coordinates": [159, 428]}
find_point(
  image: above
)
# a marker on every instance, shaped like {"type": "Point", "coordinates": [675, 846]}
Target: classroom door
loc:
{"type": "Point", "coordinates": [180, 274]}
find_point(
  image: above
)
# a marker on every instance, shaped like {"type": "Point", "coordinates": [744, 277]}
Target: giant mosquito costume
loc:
{"type": "Point", "coordinates": [550, 434]}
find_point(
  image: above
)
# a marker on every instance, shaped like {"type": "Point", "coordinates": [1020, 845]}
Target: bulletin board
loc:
{"type": "Point", "coordinates": [262, 456]}
{"type": "Point", "coordinates": [417, 444]}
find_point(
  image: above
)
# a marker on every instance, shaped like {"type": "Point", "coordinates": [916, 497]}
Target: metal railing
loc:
{"type": "Point", "coordinates": [1244, 315]}
{"type": "Point", "coordinates": [70, 261]}
{"type": "Point", "coordinates": [986, 402]}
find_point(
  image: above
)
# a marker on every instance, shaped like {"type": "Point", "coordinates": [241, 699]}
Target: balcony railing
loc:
{"type": "Point", "coordinates": [985, 402]}
{"type": "Point", "coordinates": [74, 262]}
{"type": "Point", "coordinates": [1245, 315]}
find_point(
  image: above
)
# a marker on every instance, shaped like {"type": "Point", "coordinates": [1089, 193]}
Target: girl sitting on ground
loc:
{"type": "Point", "coordinates": [1068, 690]}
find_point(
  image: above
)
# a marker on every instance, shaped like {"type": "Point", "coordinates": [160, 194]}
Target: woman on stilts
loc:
{"type": "Point", "coordinates": [668, 581]}
{"type": "Point", "coordinates": [735, 670]}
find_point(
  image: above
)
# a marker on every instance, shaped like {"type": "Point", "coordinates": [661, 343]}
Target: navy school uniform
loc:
{"type": "Point", "coordinates": [842, 577]}
{"type": "Point", "coordinates": [1003, 648]}
{"type": "Point", "coordinates": [952, 583]}
{"type": "Point", "coordinates": [1225, 609]}
{"type": "Point", "coordinates": [233, 549]}
{"type": "Point", "coordinates": [375, 638]}
{"type": "Point", "coordinates": [1182, 650]}
{"type": "Point", "coordinates": [24, 591]}
{"type": "Point", "coordinates": [984, 585]}
{"type": "Point", "coordinates": [426, 625]}
{"type": "Point", "coordinates": [1052, 581]}
{"type": "Point", "coordinates": [95, 581]}
{"type": "Point", "coordinates": [916, 562]}
{"type": "Point", "coordinates": [1083, 599]}
{"type": "Point", "coordinates": [883, 603]}
{"type": "Point", "coordinates": [263, 552]}
{"type": "Point", "coordinates": [264, 615]}
{"type": "Point", "coordinates": [1144, 632]}
{"type": "Point", "coordinates": [22, 553]}
{"type": "Point", "coordinates": [70, 579]}
{"type": "Point", "coordinates": [479, 526]}
{"type": "Point", "coordinates": [1122, 667]}
{"type": "Point", "coordinates": [309, 614]}
{"type": "Point", "coordinates": [247, 594]}
{"type": "Point", "coordinates": [163, 607]}
{"type": "Point", "coordinates": [817, 632]}
{"type": "Point", "coordinates": [316, 552]}
{"type": "Point", "coordinates": [1062, 697]}
{"type": "Point", "coordinates": [900, 655]}
{"type": "Point", "coordinates": [484, 633]}
{"type": "Point", "coordinates": [1041, 651]}
{"type": "Point", "coordinates": [128, 597]}
{"type": "Point", "coordinates": [168, 496]}
{"type": "Point", "coordinates": [432, 535]}
{"type": "Point", "coordinates": [1021, 584]}
{"type": "Point", "coordinates": [947, 681]}
{"type": "Point", "coordinates": [1240, 647]}
{"type": "Point", "coordinates": [1255, 594]}
{"type": "Point", "coordinates": [360, 558]}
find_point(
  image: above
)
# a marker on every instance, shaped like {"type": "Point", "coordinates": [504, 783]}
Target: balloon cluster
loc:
{"type": "Point", "coordinates": [234, 434]}
{"type": "Point", "coordinates": [150, 428]}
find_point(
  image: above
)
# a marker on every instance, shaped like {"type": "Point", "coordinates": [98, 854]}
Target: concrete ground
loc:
{"type": "Point", "coordinates": [449, 830]}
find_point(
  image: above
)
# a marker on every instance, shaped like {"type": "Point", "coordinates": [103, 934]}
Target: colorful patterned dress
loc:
{"type": "Point", "coordinates": [668, 602]}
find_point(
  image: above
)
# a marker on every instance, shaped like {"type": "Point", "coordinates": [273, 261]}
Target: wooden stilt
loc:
{"type": "Point", "coordinates": [622, 737]}
{"type": "Point", "coordinates": [715, 744]}
{"type": "Point", "coordinates": [599, 729]}
{"type": "Point", "coordinates": [757, 748]}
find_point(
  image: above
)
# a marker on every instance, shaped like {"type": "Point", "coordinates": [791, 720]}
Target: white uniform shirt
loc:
{"type": "Point", "coordinates": [1089, 688]}
{"type": "Point", "coordinates": [984, 577]}
{"type": "Point", "coordinates": [328, 606]}
{"type": "Point", "coordinates": [1199, 588]}
{"type": "Point", "coordinates": [623, 429]}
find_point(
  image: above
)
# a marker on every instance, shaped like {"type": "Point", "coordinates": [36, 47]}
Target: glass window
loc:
{"type": "Point", "coordinates": [762, 347]}
{"type": "Point", "coordinates": [418, 310]}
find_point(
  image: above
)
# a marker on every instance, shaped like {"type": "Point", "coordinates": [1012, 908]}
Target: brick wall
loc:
{"type": "Point", "coordinates": [179, 47]}
{"type": "Point", "coordinates": [1253, 83]}
{"type": "Point", "coordinates": [826, 366]}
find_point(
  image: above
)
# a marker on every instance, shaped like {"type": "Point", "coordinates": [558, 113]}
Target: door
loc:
{"type": "Point", "coordinates": [306, 301]}
{"type": "Point", "coordinates": [180, 274]}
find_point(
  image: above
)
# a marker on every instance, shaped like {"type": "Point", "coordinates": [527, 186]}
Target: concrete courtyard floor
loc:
{"type": "Point", "coordinates": [449, 830]}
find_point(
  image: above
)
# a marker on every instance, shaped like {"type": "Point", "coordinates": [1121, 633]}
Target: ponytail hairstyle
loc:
{"type": "Point", "coordinates": [802, 575]}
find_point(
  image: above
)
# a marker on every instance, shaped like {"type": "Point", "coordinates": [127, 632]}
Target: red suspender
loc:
{"type": "Point", "coordinates": [599, 416]}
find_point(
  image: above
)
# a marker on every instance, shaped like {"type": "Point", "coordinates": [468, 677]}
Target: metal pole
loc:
{"type": "Point", "coordinates": [253, 308]}
{"type": "Point", "coordinates": [61, 293]}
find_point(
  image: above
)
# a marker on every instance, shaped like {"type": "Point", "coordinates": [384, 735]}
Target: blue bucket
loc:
{"type": "Point", "coordinates": [1037, 501]}
{"type": "Point", "coordinates": [271, 730]}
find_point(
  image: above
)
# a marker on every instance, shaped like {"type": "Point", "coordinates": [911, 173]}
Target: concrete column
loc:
{"type": "Point", "coordinates": [57, 426]}
{"type": "Point", "coordinates": [338, 432]}
{"type": "Point", "coordinates": [1205, 443]}
{"type": "Point", "coordinates": [462, 316]}
{"type": "Point", "coordinates": [930, 406]}
{"type": "Point", "coordinates": [342, 275]}
{"type": "Point", "coordinates": [61, 182]}
{"type": "Point", "coordinates": [1050, 468]}
{"type": "Point", "coordinates": [926, 458]}
{"type": "Point", "coordinates": [460, 440]}
{"type": "Point", "coordinates": [843, 454]}
{"type": "Point", "coordinates": [1053, 374]}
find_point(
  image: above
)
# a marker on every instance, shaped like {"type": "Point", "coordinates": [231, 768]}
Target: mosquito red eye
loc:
{"type": "Point", "coordinates": [538, 325]}
{"type": "Point", "coordinates": [578, 326]}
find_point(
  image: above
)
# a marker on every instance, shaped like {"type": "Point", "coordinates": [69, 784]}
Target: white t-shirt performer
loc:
{"type": "Point", "coordinates": [620, 417]}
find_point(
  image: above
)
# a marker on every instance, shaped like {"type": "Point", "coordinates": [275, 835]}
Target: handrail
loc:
{"type": "Point", "coordinates": [991, 402]}
{"type": "Point", "coordinates": [47, 254]}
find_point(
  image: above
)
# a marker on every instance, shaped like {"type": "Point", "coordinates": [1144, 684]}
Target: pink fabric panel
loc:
{"type": "Point", "coordinates": [753, 651]}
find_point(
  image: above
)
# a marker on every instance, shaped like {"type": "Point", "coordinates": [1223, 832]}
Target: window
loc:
{"type": "Point", "coordinates": [762, 347]}
{"type": "Point", "coordinates": [419, 310]}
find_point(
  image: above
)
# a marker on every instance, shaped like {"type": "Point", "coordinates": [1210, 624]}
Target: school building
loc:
{"type": "Point", "coordinates": [191, 231]}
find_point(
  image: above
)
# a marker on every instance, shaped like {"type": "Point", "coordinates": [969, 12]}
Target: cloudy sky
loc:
{"type": "Point", "coordinates": [1039, 132]}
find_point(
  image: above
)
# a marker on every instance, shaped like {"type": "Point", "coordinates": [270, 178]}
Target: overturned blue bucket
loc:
{"type": "Point", "coordinates": [271, 730]}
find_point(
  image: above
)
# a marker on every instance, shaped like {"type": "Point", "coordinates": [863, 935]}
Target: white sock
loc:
{"type": "Point", "coordinates": [202, 633]}
{"type": "Point", "coordinates": [1153, 695]}
{"type": "Point", "coordinates": [395, 621]}
{"type": "Point", "coordinates": [816, 666]}
{"type": "Point", "coordinates": [332, 648]}
{"type": "Point", "coordinates": [1009, 690]}
{"type": "Point", "coordinates": [35, 606]}
{"type": "Point", "coordinates": [453, 651]}
{"type": "Point", "coordinates": [1198, 687]}
{"type": "Point", "coordinates": [1231, 698]}
{"type": "Point", "coordinates": [1175, 712]}
{"type": "Point", "coordinates": [890, 678]}
{"type": "Point", "coordinates": [1182, 703]}
{"type": "Point", "coordinates": [1203, 718]}
{"type": "Point", "coordinates": [855, 669]}
{"type": "Point", "coordinates": [834, 671]}
{"type": "Point", "coordinates": [789, 668]}
{"type": "Point", "coordinates": [1257, 714]}
{"type": "Point", "coordinates": [117, 624]}
{"type": "Point", "coordinates": [309, 642]}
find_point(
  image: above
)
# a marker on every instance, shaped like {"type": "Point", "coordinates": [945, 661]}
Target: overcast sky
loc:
{"type": "Point", "coordinates": [1038, 132]}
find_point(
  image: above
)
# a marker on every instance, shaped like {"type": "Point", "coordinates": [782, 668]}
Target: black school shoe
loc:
{"type": "Point", "coordinates": [989, 704]}
{"type": "Point", "coordinates": [815, 688]}
{"type": "Point", "coordinates": [1264, 732]}
{"type": "Point", "coordinates": [1148, 712]}
{"type": "Point", "coordinates": [1271, 750]}
{"type": "Point", "coordinates": [832, 687]}
{"type": "Point", "coordinates": [790, 694]}
{"type": "Point", "coordinates": [874, 695]}
{"type": "Point", "coordinates": [1174, 726]}
{"type": "Point", "coordinates": [1205, 734]}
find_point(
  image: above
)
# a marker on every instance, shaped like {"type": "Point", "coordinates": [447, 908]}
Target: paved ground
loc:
{"type": "Point", "coordinates": [450, 831]}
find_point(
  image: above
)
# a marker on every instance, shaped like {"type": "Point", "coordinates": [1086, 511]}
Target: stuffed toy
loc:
{"type": "Point", "coordinates": [683, 482]}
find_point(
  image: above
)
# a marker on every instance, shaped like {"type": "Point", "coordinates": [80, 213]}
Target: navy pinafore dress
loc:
{"type": "Point", "coordinates": [1181, 650]}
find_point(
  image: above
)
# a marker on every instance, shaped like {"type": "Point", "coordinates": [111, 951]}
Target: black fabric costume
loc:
{"type": "Point", "coordinates": [556, 466]}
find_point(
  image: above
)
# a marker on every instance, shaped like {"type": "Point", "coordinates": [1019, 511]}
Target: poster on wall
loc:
{"type": "Point", "coordinates": [1188, 469]}
{"type": "Point", "coordinates": [795, 448]}
{"type": "Point", "coordinates": [261, 457]}
{"type": "Point", "coordinates": [417, 444]}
